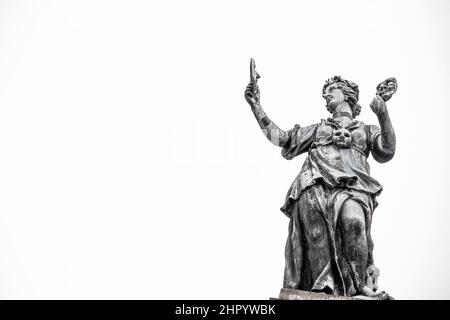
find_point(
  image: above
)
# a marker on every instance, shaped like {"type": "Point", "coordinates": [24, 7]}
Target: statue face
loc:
{"type": "Point", "coordinates": [334, 96]}
{"type": "Point", "coordinates": [342, 138]}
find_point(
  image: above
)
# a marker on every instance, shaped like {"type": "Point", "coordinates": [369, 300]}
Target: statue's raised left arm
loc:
{"type": "Point", "coordinates": [383, 147]}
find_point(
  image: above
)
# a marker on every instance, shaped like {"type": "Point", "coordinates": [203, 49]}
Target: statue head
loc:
{"type": "Point", "coordinates": [337, 90]}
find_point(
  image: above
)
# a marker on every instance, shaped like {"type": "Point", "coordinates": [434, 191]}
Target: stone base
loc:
{"type": "Point", "coordinates": [291, 294]}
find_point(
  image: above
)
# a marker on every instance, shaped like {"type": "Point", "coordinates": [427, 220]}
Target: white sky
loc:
{"type": "Point", "coordinates": [132, 167]}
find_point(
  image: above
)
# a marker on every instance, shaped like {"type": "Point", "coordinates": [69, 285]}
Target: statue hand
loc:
{"type": "Point", "coordinates": [252, 94]}
{"type": "Point", "coordinates": [378, 105]}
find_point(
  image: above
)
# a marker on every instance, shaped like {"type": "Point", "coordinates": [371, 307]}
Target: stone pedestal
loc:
{"type": "Point", "coordinates": [291, 294]}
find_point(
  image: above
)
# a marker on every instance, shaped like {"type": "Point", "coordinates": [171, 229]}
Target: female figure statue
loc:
{"type": "Point", "coordinates": [331, 202]}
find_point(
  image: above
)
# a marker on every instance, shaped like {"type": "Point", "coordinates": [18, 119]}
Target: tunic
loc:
{"type": "Point", "coordinates": [330, 175]}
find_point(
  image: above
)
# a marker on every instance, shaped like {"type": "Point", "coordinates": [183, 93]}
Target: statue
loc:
{"type": "Point", "coordinates": [331, 202]}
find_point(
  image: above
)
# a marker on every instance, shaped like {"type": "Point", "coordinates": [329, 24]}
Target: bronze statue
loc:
{"type": "Point", "coordinates": [331, 202]}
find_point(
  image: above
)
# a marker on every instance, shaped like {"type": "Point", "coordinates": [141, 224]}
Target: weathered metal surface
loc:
{"type": "Point", "coordinates": [331, 202]}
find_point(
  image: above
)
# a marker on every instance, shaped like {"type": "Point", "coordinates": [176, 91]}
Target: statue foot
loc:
{"type": "Point", "coordinates": [293, 285]}
{"type": "Point", "coordinates": [369, 294]}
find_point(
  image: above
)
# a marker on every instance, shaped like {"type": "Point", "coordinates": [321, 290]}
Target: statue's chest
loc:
{"type": "Point", "coordinates": [342, 135]}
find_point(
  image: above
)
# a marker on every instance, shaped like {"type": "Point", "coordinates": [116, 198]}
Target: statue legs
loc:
{"type": "Point", "coordinates": [355, 245]}
{"type": "Point", "coordinates": [329, 246]}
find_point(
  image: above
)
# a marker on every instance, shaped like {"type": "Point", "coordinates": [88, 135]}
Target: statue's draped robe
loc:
{"type": "Point", "coordinates": [329, 176]}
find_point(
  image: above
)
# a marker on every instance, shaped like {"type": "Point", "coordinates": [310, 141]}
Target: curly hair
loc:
{"type": "Point", "coordinates": [350, 91]}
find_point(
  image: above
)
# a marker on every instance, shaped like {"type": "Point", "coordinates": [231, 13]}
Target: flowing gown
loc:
{"type": "Point", "coordinates": [330, 175]}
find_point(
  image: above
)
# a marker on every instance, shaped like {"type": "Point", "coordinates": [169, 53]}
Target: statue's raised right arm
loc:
{"type": "Point", "coordinates": [275, 135]}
